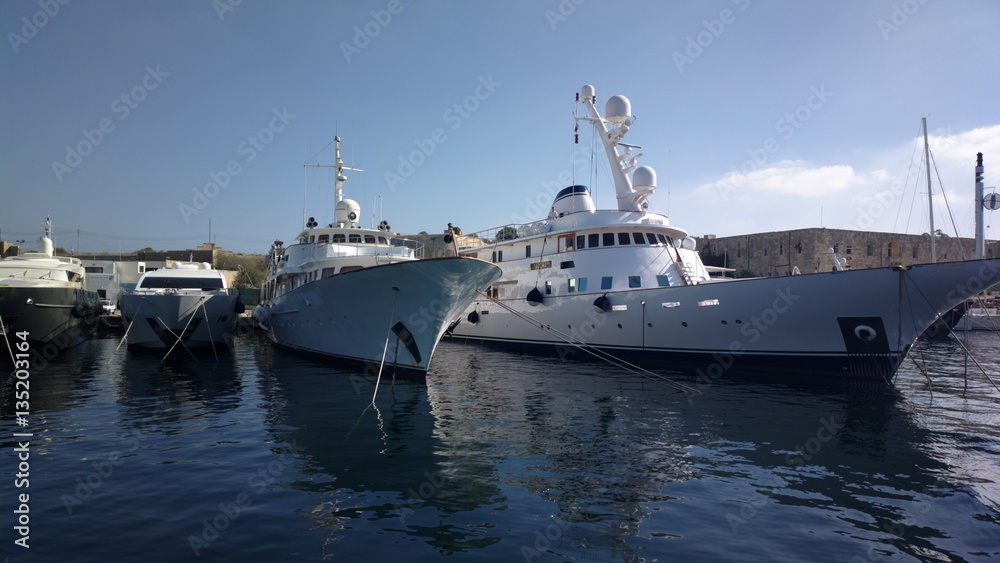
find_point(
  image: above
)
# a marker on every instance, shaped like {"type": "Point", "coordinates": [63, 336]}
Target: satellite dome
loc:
{"type": "Point", "coordinates": [618, 109]}
{"type": "Point", "coordinates": [644, 177]}
{"type": "Point", "coordinates": [347, 212]}
{"type": "Point", "coordinates": [587, 92]}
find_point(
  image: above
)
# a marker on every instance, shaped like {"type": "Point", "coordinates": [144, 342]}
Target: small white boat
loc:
{"type": "Point", "coordinates": [364, 296]}
{"type": "Point", "coordinates": [44, 298]}
{"type": "Point", "coordinates": [188, 304]}
{"type": "Point", "coordinates": [979, 318]}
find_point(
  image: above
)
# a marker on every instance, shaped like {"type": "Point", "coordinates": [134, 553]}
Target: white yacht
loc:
{"type": "Point", "coordinates": [45, 298]}
{"type": "Point", "coordinates": [628, 282]}
{"type": "Point", "coordinates": [189, 304]}
{"type": "Point", "coordinates": [364, 295]}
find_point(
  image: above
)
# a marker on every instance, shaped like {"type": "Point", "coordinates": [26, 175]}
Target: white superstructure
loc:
{"type": "Point", "coordinates": [188, 304]}
{"type": "Point", "coordinates": [629, 282]}
{"type": "Point", "coordinates": [364, 295]}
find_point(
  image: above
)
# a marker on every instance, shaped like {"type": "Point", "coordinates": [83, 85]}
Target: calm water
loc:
{"type": "Point", "coordinates": [267, 456]}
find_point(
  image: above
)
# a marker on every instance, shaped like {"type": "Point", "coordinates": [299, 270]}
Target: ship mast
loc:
{"type": "Point", "coordinates": [339, 166]}
{"type": "Point", "coordinates": [631, 192]}
{"type": "Point", "coordinates": [930, 195]}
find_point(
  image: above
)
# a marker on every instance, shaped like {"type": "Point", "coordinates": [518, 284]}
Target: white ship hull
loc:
{"type": "Point", "coordinates": [189, 318]}
{"type": "Point", "coordinates": [395, 311]}
{"type": "Point", "coordinates": [849, 324]}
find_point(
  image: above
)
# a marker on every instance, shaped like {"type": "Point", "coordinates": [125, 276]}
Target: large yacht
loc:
{"type": "Point", "coordinates": [364, 295]}
{"type": "Point", "coordinates": [44, 297]}
{"type": "Point", "coordinates": [628, 282]}
{"type": "Point", "coordinates": [189, 304]}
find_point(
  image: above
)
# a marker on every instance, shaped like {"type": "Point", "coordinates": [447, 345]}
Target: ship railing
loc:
{"type": "Point", "coordinates": [398, 248]}
{"type": "Point", "coordinates": [508, 232]}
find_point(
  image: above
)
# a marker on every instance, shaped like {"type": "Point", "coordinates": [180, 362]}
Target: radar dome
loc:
{"type": "Point", "coordinates": [347, 212]}
{"type": "Point", "coordinates": [644, 177]}
{"type": "Point", "coordinates": [587, 92]}
{"type": "Point", "coordinates": [618, 109]}
{"type": "Point", "coordinates": [572, 200]}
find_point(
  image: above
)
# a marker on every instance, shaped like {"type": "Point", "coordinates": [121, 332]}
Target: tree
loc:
{"type": "Point", "coordinates": [507, 233]}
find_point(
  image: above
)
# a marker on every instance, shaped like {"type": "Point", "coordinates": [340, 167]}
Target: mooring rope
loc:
{"type": "Point", "coordinates": [385, 347]}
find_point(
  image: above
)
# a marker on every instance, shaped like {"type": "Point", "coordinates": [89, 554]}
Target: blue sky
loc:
{"type": "Point", "coordinates": [120, 118]}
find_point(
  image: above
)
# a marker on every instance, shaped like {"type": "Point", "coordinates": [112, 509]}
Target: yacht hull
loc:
{"type": "Point", "coordinates": [196, 320]}
{"type": "Point", "coordinates": [855, 324]}
{"type": "Point", "coordinates": [63, 316]}
{"type": "Point", "coordinates": [395, 311]}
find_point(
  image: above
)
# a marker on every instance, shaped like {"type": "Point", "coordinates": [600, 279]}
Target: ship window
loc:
{"type": "Point", "coordinates": [609, 239]}
{"type": "Point", "coordinates": [572, 285]}
{"type": "Point", "coordinates": [663, 281]}
{"type": "Point", "coordinates": [497, 256]}
{"type": "Point", "coordinates": [382, 240]}
{"type": "Point", "coordinates": [623, 238]}
{"type": "Point", "coordinates": [581, 241]}
{"type": "Point", "coordinates": [527, 251]}
{"type": "Point", "coordinates": [663, 239]}
{"type": "Point", "coordinates": [606, 282]}
{"type": "Point", "coordinates": [548, 288]}
{"type": "Point", "coordinates": [567, 264]}
{"type": "Point", "coordinates": [346, 269]}
{"type": "Point", "coordinates": [94, 269]}
{"type": "Point", "coordinates": [353, 238]}
{"type": "Point", "coordinates": [639, 239]}
{"type": "Point", "coordinates": [339, 237]}
{"type": "Point", "coordinates": [582, 284]}
{"type": "Point", "coordinates": [651, 238]}
{"type": "Point", "coordinates": [370, 239]}
{"type": "Point", "coordinates": [634, 281]}
{"type": "Point", "coordinates": [324, 238]}
{"type": "Point", "coordinates": [594, 240]}
{"type": "Point", "coordinates": [327, 272]}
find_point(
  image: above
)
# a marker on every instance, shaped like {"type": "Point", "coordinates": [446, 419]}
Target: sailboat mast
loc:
{"type": "Point", "coordinates": [930, 196]}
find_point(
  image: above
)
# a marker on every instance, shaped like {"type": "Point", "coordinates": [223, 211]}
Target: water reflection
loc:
{"type": "Point", "coordinates": [382, 463]}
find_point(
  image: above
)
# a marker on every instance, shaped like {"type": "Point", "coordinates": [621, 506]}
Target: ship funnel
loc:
{"type": "Point", "coordinates": [618, 110]}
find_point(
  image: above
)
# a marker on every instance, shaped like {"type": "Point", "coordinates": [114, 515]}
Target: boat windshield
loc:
{"type": "Point", "coordinates": [181, 283]}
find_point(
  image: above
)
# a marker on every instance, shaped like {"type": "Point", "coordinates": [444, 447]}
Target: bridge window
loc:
{"type": "Point", "coordinates": [639, 239]}
{"type": "Point", "coordinates": [609, 239]}
{"type": "Point", "coordinates": [623, 238]}
{"type": "Point", "coordinates": [594, 240]}
{"type": "Point", "coordinates": [353, 238]}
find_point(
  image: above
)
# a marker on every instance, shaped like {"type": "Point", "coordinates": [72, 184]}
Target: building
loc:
{"type": "Point", "coordinates": [807, 250]}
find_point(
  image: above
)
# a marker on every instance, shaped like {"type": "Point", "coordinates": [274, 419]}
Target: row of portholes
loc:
{"type": "Point", "coordinates": [650, 325]}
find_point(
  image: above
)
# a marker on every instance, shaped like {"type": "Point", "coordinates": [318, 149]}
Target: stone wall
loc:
{"type": "Point", "coordinates": [777, 253]}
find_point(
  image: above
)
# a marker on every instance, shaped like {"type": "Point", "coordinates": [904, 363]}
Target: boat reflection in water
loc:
{"type": "Point", "coordinates": [573, 459]}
